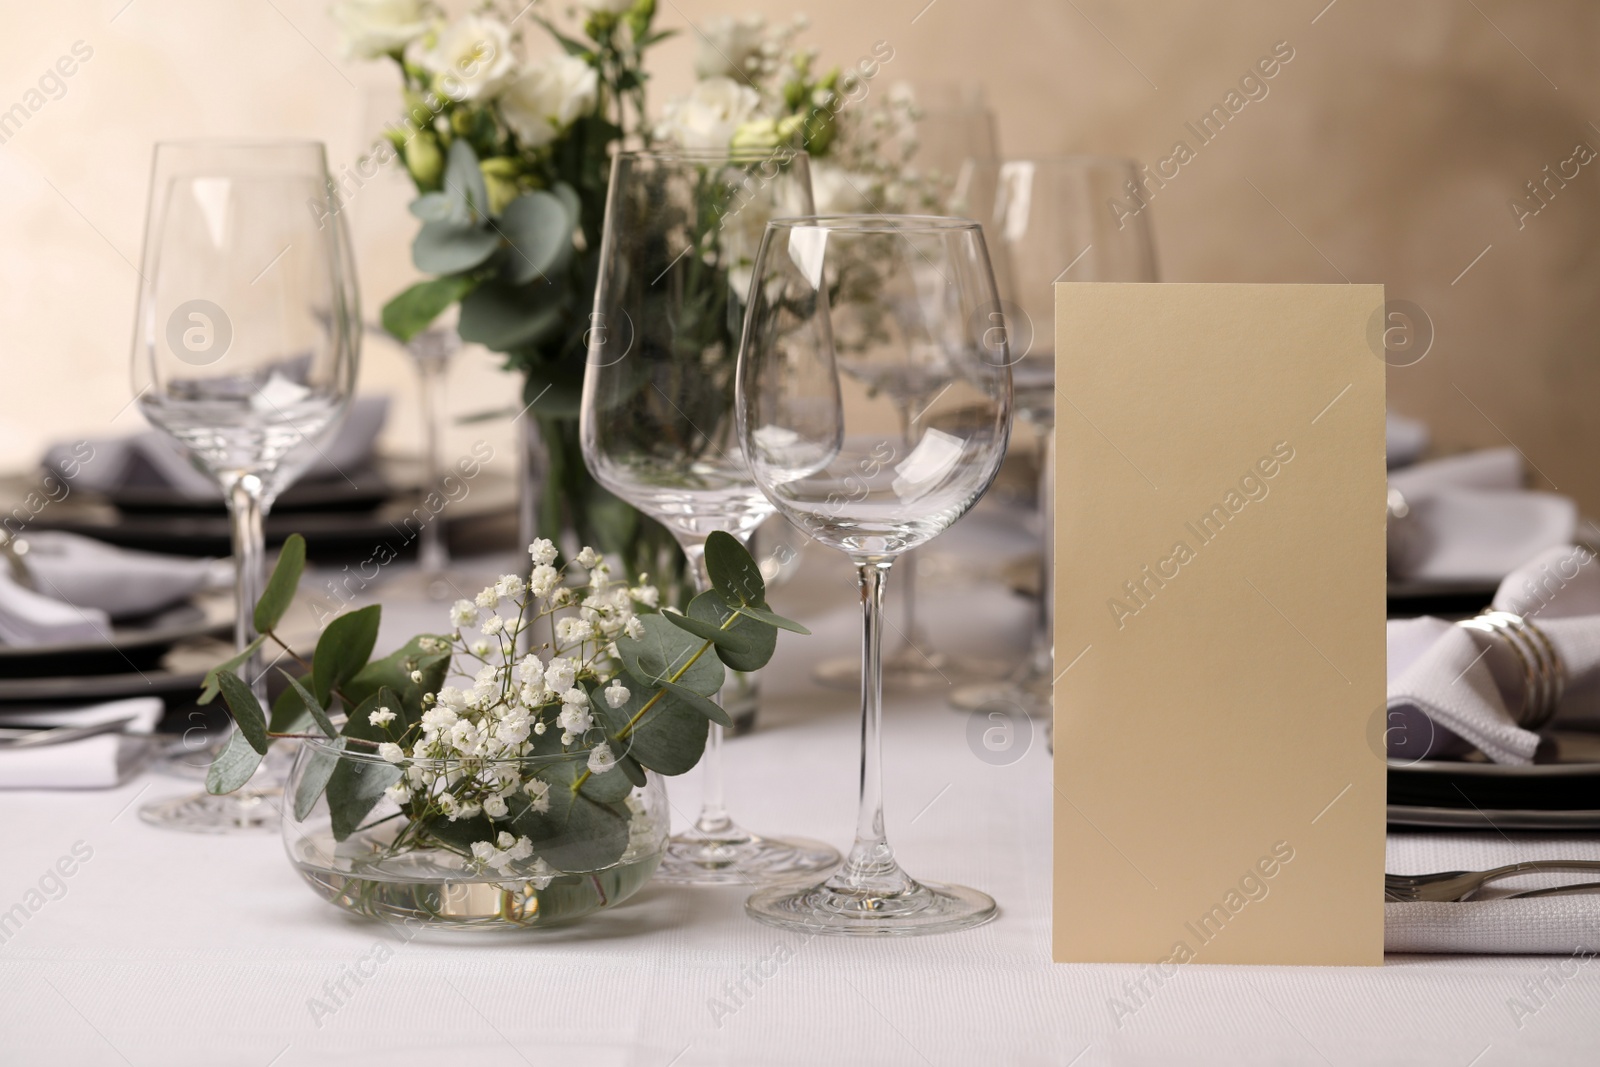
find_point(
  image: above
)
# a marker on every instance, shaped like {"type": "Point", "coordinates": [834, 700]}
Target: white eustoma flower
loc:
{"type": "Point", "coordinates": [538, 795]}
{"type": "Point", "coordinates": [569, 630]}
{"type": "Point", "coordinates": [543, 580]}
{"type": "Point", "coordinates": [616, 693]}
{"type": "Point", "coordinates": [575, 719]}
{"type": "Point", "coordinates": [709, 115]}
{"type": "Point", "coordinates": [729, 46]}
{"type": "Point", "coordinates": [464, 613]}
{"type": "Point", "coordinates": [373, 28]}
{"type": "Point", "coordinates": [600, 758]}
{"type": "Point", "coordinates": [495, 808]}
{"type": "Point", "coordinates": [391, 752]}
{"type": "Point", "coordinates": [560, 675]}
{"type": "Point", "coordinates": [470, 59]}
{"type": "Point", "coordinates": [381, 717]}
{"type": "Point", "coordinates": [546, 98]}
{"type": "Point", "coordinates": [542, 552]}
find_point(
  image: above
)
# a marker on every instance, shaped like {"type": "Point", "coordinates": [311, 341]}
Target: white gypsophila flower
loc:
{"type": "Point", "coordinates": [482, 851]}
{"type": "Point", "coordinates": [508, 585]}
{"type": "Point", "coordinates": [547, 97]}
{"type": "Point", "coordinates": [538, 794]}
{"type": "Point", "coordinates": [648, 595]}
{"type": "Point", "coordinates": [543, 580]}
{"type": "Point", "coordinates": [469, 59]}
{"type": "Point", "coordinates": [431, 644]}
{"type": "Point", "coordinates": [575, 697]}
{"type": "Point", "coordinates": [588, 557]}
{"type": "Point", "coordinates": [617, 694]}
{"type": "Point", "coordinates": [539, 728]}
{"type": "Point", "coordinates": [541, 874]}
{"type": "Point", "coordinates": [708, 117]}
{"type": "Point", "coordinates": [495, 808]}
{"type": "Point", "coordinates": [487, 598]}
{"type": "Point", "coordinates": [521, 850]}
{"type": "Point", "coordinates": [391, 752]}
{"type": "Point", "coordinates": [575, 719]}
{"type": "Point", "coordinates": [399, 792]}
{"type": "Point", "coordinates": [374, 28]}
{"type": "Point", "coordinates": [492, 625]}
{"type": "Point", "coordinates": [560, 674]}
{"type": "Point", "coordinates": [416, 676]}
{"type": "Point", "coordinates": [439, 718]}
{"type": "Point", "coordinates": [634, 629]}
{"type": "Point", "coordinates": [569, 630]}
{"type": "Point", "coordinates": [730, 46]}
{"type": "Point", "coordinates": [450, 805]}
{"type": "Point", "coordinates": [450, 697]}
{"type": "Point", "coordinates": [600, 758]}
{"type": "Point", "coordinates": [463, 613]}
{"type": "Point", "coordinates": [542, 552]}
{"type": "Point", "coordinates": [466, 737]}
{"type": "Point", "coordinates": [481, 648]}
{"type": "Point", "coordinates": [381, 717]}
{"type": "Point", "coordinates": [600, 576]}
{"type": "Point", "coordinates": [837, 191]}
{"type": "Point", "coordinates": [415, 775]}
{"type": "Point", "coordinates": [530, 668]}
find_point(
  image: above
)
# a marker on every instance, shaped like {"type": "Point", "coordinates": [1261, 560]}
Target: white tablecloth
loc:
{"type": "Point", "coordinates": [168, 949]}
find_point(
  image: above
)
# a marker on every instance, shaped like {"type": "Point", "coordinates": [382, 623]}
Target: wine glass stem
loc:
{"type": "Point", "coordinates": [871, 855]}
{"type": "Point", "coordinates": [713, 818]}
{"type": "Point", "coordinates": [432, 555]}
{"type": "Point", "coordinates": [247, 507]}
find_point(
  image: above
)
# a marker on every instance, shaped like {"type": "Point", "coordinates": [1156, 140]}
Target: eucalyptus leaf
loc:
{"type": "Point", "coordinates": [463, 180]}
{"type": "Point", "coordinates": [772, 618]}
{"type": "Point", "coordinates": [503, 317]}
{"type": "Point", "coordinates": [733, 572]}
{"type": "Point", "coordinates": [208, 687]}
{"type": "Point", "coordinates": [440, 207]}
{"type": "Point", "coordinates": [411, 312]}
{"type": "Point", "coordinates": [576, 833]}
{"type": "Point", "coordinates": [394, 672]}
{"type": "Point", "coordinates": [746, 645]}
{"type": "Point", "coordinates": [283, 583]}
{"type": "Point", "coordinates": [607, 787]}
{"type": "Point", "coordinates": [233, 766]}
{"type": "Point", "coordinates": [461, 833]}
{"type": "Point", "coordinates": [631, 768]}
{"type": "Point", "coordinates": [320, 764]}
{"type": "Point", "coordinates": [703, 705]}
{"type": "Point", "coordinates": [668, 739]}
{"type": "Point", "coordinates": [664, 651]}
{"type": "Point", "coordinates": [313, 708]}
{"type": "Point", "coordinates": [246, 712]}
{"type": "Point", "coordinates": [354, 789]}
{"type": "Point", "coordinates": [343, 649]}
{"type": "Point", "coordinates": [289, 714]}
{"type": "Point", "coordinates": [358, 724]}
{"type": "Point", "coordinates": [538, 227]}
{"type": "Point", "coordinates": [569, 199]}
{"type": "Point", "coordinates": [452, 247]}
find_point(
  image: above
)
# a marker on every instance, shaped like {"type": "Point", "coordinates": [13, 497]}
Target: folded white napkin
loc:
{"type": "Point", "coordinates": [1452, 688]}
{"type": "Point", "coordinates": [92, 763]}
{"type": "Point", "coordinates": [1565, 925]}
{"type": "Point", "coordinates": [81, 585]}
{"type": "Point", "coordinates": [1469, 519]}
{"type": "Point", "coordinates": [151, 459]}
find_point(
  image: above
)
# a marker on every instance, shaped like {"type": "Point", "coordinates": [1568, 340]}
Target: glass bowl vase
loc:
{"type": "Point", "coordinates": [568, 842]}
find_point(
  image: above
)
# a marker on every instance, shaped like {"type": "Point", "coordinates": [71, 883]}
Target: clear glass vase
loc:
{"type": "Point", "coordinates": [406, 862]}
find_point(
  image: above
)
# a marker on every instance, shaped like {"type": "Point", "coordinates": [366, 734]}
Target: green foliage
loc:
{"type": "Point", "coordinates": [319, 768]}
{"type": "Point", "coordinates": [283, 583]}
{"type": "Point", "coordinates": [233, 766]}
{"type": "Point", "coordinates": [209, 686]}
{"type": "Point", "coordinates": [664, 652]}
{"type": "Point", "coordinates": [343, 649]}
{"type": "Point", "coordinates": [246, 712]}
{"type": "Point", "coordinates": [415, 308]}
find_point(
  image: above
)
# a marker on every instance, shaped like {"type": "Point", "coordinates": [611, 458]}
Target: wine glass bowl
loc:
{"type": "Point", "coordinates": [841, 305]}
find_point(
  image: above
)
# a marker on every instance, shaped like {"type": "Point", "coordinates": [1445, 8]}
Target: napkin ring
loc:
{"type": "Point", "coordinates": [1544, 676]}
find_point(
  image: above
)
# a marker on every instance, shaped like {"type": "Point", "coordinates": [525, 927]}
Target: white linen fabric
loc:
{"type": "Point", "coordinates": [1452, 689]}
{"type": "Point", "coordinates": [151, 459]}
{"type": "Point", "coordinates": [1470, 520]}
{"type": "Point", "coordinates": [29, 619]}
{"type": "Point", "coordinates": [92, 763]}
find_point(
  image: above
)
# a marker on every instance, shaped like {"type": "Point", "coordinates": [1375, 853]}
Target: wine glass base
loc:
{"type": "Point", "coordinates": [916, 908]}
{"type": "Point", "coordinates": [244, 811]}
{"type": "Point", "coordinates": [909, 672]}
{"type": "Point", "coordinates": [737, 857]}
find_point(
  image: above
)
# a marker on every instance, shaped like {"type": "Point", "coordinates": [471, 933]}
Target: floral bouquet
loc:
{"type": "Point", "coordinates": [530, 769]}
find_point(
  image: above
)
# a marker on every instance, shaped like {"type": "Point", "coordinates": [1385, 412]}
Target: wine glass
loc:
{"type": "Point", "coordinates": [1049, 220]}
{"type": "Point", "coordinates": [657, 426]}
{"type": "Point", "coordinates": [953, 127]}
{"type": "Point", "coordinates": [829, 290]}
{"type": "Point", "coordinates": [245, 350]}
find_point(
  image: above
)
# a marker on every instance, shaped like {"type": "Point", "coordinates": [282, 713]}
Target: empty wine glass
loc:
{"type": "Point", "coordinates": [245, 350]}
{"type": "Point", "coordinates": [657, 424]}
{"type": "Point", "coordinates": [1049, 220]}
{"type": "Point", "coordinates": [834, 458]}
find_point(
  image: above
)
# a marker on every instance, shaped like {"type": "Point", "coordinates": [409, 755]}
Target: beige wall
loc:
{"type": "Point", "coordinates": [1386, 150]}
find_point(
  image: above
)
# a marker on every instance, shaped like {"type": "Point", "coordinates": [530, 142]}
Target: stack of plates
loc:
{"type": "Point", "coordinates": [1560, 790]}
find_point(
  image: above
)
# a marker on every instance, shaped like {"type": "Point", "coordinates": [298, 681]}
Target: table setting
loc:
{"type": "Point", "coordinates": [894, 608]}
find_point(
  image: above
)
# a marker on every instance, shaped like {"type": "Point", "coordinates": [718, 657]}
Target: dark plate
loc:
{"type": "Point", "coordinates": [1565, 777]}
{"type": "Point", "coordinates": [1495, 819]}
{"type": "Point", "coordinates": [362, 490]}
{"type": "Point", "coordinates": [134, 646]}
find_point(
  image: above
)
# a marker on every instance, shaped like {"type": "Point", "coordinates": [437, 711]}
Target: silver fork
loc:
{"type": "Point", "coordinates": [1458, 885]}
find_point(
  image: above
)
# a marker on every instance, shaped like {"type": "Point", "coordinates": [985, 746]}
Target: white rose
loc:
{"type": "Point", "coordinates": [729, 47]}
{"type": "Point", "coordinates": [709, 115]}
{"type": "Point", "coordinates": [470, 59]}
{"type": "Point", "coordinates": [374, 28]}
{"type": "Point", "coordinates": [546, 98]}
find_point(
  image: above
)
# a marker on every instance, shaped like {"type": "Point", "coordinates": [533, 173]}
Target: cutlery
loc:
{"type": "Point", "coordinates": [1557, 890]}
{"type": "Point", "coordinates": [11, 739]}
{"type": "Point", "coordinates": [1458, 885]}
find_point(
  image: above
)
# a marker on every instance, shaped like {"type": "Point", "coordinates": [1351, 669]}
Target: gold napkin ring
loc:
{"type": "Point", "coordinates": [1543, 673]}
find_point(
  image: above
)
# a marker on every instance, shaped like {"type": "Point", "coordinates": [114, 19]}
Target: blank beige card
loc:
{"type": "Point", "coordinates": [1219, 623]}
